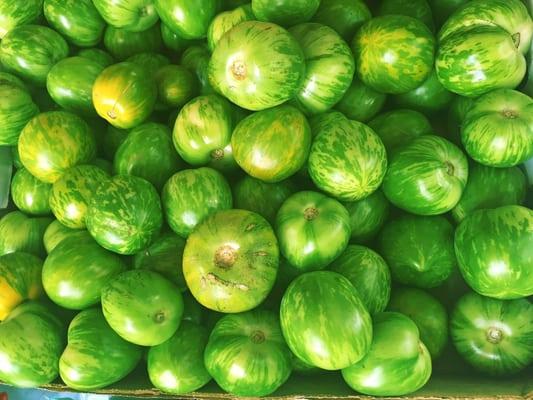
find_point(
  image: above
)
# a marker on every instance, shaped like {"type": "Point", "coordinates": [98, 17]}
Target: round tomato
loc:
{"type": "Point", "coordinates": [133, 15]}
{"type": "Point", "coordinates": [18, 232]}
{"type": "Point", "coordinates": [190, 19]}
{"type": "Point", "coordinates": [29, 194]}
{"type": "Point", "coordinates": [367, 216]}
{"type": "Point", "coordinates": [361, 102]}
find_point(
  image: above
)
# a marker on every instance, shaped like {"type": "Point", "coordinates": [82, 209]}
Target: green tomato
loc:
{"type": "Point", "coordinates": [132, 15]}
{"type": "Point", "coordinates": [29, 194]}
{"type": "Point", "coordinates": [231, 260]}
{"type": "Point", "coordinates": [18, 232]}
{"type": "Point", "coordinates": [16, 109]}
{"type": "Point", "coordinates": [122, 43]}
{"type": "Point", "coordinates": [494, 336]}
{"type": "Point", "coordinates": [55, 233]}
{"type": "Point", "coordinates": [95, 356]}
{"type": "Point", "coordinates": [246, 354]}
{"type": "Point", "coordinates": [177, 365]}
{"type": "Point", "coordinates": [345, 16]}
{"type": "Point", "coordinates": [369, 274]}
{"type": "Point", "coordinates": [397, 363]}
{"type": "Point", "coordinates": [191, 195]}
{"type": "Point", "coordinates": [149, 60]}
{"type": "Point", "coordinates": [225, 21]}
{"type": "Point", "coordinates": [427, 176]}
{"type": "Point", "coordinates": [285, 12]}
{"type": "Point", "coordinates": [498, 128]}
{"type": "Point", "coordinates": [312, 229]}
{"type": "Point", "coordinates": [189, 19]}
{"type": "Point", "coordinates": [427, 313]}
{"type": "Point", "coordinates": [142, 307]}
{"type": "Point", "coordinates": [174, 41]}
{"type": "Point", "coordinates": [419, 250]}
{"type": "Point", "coordinates": [361, 102]}
{"type": "Point", "coordinates": [15, 13]}
{"type": "Point", "coordinates": [98, 55]}
{"type": "Point", "coordinates": [418, 9]}
{"type": "Point", "coordinates": [393, 53]}
{"type": "Point", "coordinates": [493, 248]}
{"type": "Point", "coordinates": [176, 85]}
{"type": "Point", "coordinates": [196, 58]}
{"type": "Point", "coordinates": [332, 333]}
{"type": "Point", "coordinates": [367, 216]}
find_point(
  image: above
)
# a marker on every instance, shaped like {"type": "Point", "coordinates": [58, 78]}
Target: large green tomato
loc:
{"type": "Point", "coordinates": [369, 274]}
{"type": "Point", "coordinates": [18, 232]}
{"type": "Point", "coordinates": [498, 128]}
{"type": "Point", "coordinates": [332, 333]}
{"type": "Point", "coordinates": [397, 363]}
{"type": "Point", "coordinates": [285, 12]}
{"type": "Point", "coordinates": [164, 256]}
{"type": "Point", "coordinates": [203, 129]}
{"type": "Point", "coordinates": [20, 280]}
{"type": "Point", "coordinates": [257, 65]}
{"type": "Point", "coordinates": [53, 142]}
{"type": "Point", "coordinates": [347, 158]}
{"type": "Point", "coordinates": [95, 356]}
{"type": "Point", "coordinates": [329, 67]}
{"type": "Point", "coordinates": [493, 248]}
{"type": "Point", "coordinates": [427, 313]}
{"type": "Point", "coordinates": [133, 15]}
{"type": "Point", "coordinates": [16, 109]}
{"type": "Point", "coordinates": [398, 127]}
{"type": "Point", "coordinates": [393, 53]}
{"type": "Point", "coordinates": [55, 233]}
{"type": "Point", "coordinates": [272, 144]}
{"type": "Point", "coordinates": [313, 230]}
{"type": "Point", "coordinates": [360, 102]}
{"type": "Point", "coordinates": [124, 214]}
{"type": "Point", "coordinates": [231, 260]}
{"type": "Point", "coordinates": [31, 342]}
{"type": "Point", "coordinates": [189, 19]}
{"type": "Point", "coordinates": [177, 365]}
{"type": "Point", "coordinates": [427, 176]}
{"type": "Point", "coordinates": [124, 94]}
{"type": "Point", "coordinates": [142, 307]}
{"type": "Point", "coordinates": [70, 195]}
{"type": "Point", "coordinates": [489, 187]}
{"type": "Point", "coordinates": [70, 84]}
{"type": "Point", "coordinates": [77, 20]}
{"type": "Point", "coordinates": [494, 336]}
{"type": "Point", "coordinates": [191, 195]}
{"type": "Point", "coordinates": [176, 85]}
{"type": "Point", "coordinates": [15, 13]}
{"type": "Point", "coordinates": [224, 21]}
{"type": "Point", "coordinates": [345, 16]}
{"type": "Point", "coordinates": [123, 44]}
{"type": "Point", "coordinates": [246, 354]}
{"type": "Point", "coordinates": [148, 152]}
{"type": "Point", "coordinates": [261, 197]}
{"type": "Point", "coordinates": [29, 194]}
{"type": "Point", "coordinates": [31, 50]}
{"type": "Point", "coordinates": [419, 250]}
{"type": "Point", "coordinates": [77, 269]}
{"type": "Point", "coordinates": [367, 216]}
{"type": "Point", "coordinates": [418, 9]}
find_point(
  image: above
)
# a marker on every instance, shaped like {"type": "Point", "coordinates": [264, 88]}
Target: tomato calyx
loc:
{"type": "Point", "coordinates": [494, 335]}
{"type": "Point", "coordinates": [257, 337]}
{"type": "Point", "coordinates": [238, 70]}
{"type": "Point", "coordinates": [516, 39]}
{"type": "Point", "coordinates": [217, 154]}
{"type": "Point", "coordinates": [310, 213]}
{"type": "Point", "coordinates": [159, 317]}
{"type": "Point", "coordinates": [450, 169]}
{"type": "Point", "coordinates": [510, 114]}
{"type": "Point", "coordinates": [225, 257]}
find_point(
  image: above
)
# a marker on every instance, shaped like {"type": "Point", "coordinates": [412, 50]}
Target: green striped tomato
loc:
{"type": "Point", "coordinates": [29, 194]}
{"type": "Point", "coordinates": [16, 109]}
{"type": "Point", "coordinates": [132, 15]}
{"type": "Point", "coordinates": [367, 216]}
{"type": "Point", "coordinates": [224, 21]}
{"type": "Point", "coordinates": [285, 12]}
{"type": "Point", "coordinates": [345, 16]}
{"type": "Point", "coordinates": [176, 85]}
{"type": "Point", "coordinates": [18, 232]}
{"type": "Point", "coordinates": [189, 19]}
{"type": "Point", "coordinates": [15, 13]}
{"type": "Point", "coordinates": [55, 233]}
{"type": "Point", "coordinates": [361, 102]}
{"type": "Point", "coordinates": [196, 58]}
{"type": "Point", "coordinates": [332, 333]}
{"type": "Point", "coordinates": [122, 43]}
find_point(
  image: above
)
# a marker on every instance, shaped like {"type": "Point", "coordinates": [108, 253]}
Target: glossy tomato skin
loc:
{"type": "Point", "coordinates": [367, 216]}
{"type": "Point", "coordinates": [189, 196]}
{"type": "Point", "coordinates": [30, 51]}
{"type": "Point", "coordinates": [427, 313]}
{"type": "Point", "coordinates": [70, 194]}
{"type": "Point", "coordinates": [257, 65]}
{"type": "Point", "coordinates": [142, 307]}
{"type": "Point", "coordinates": [81, 265]}
{"type": "Point", "coordinates": [231, 260]}
{"type": "Point", "coordinates": [196, 58]}
{"type": "Point", "coordinates": [331, 334]}
{"type": "Point", "coordinates": [312, 229]}
{"type": "Point", "coordinates": [132, 15]}
{"type": "Point", "coordinates": [182, 357]}
{"type": "Point", "coordinates": [16, 109]}
{"type": "Point", "coordinates": [188, 19]}
{"type": "Point", "coordinates": [29, 194]}
{"type": "Point", "coordinates": [95, 356]}
{"type": "Point", "coordinates": [124, 95]}
{"type": "Point", "coordinates": [360, 102]}
{"type": "Point", "coordinates": [20, 280]}
{"type": "Point", "coordinates": [247, 355]}
{"type": "Point", "coordinates": [272, 144]}
{"type": "Point", "coordinates": [498, 128]}
{"type": "Point", "coordinates": [55, 233]}
{"type": "Point", "coordinates": [345, 16]}
{"type": "Point", "coordinates": [393, 53]}
{"type": "Point", "coordinates": [419, 250]}
{"type": "Point", "coordinates": [347, 159]}
{"type": "Point", "coordinates": [402, 359]}
{"type": "Point", "coordinates": [174, 41]}
{"type": "Point", "coordinates": [427, 176]}
{"type": "Point", "coordinates": [19, 232]}
{"type": "Point", "coordinates": [224, 21]}
{"type": "Point", "coordinates": [285, 12]}
{"type": "Point", "coordinates": [493, 248]}
{"type": "Point", "coordinates": [77, 20]}
{"type": "Point", "coordinates": [493, 335]}
{"type": "Point", "coordinates": [369, 274]}
{"type": "Point", "coordinates": [31, 342]}
{"type": "Point", "coordinates": [16, 13]}
{"type": "Point", "coordinates": [176, 86]}
{"type": "Point", "coordinates": [124, 214]}
{"type": "Point", "coordinates": [489, 187]}
{"type": "Point", "coordinates": [53, 142]}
